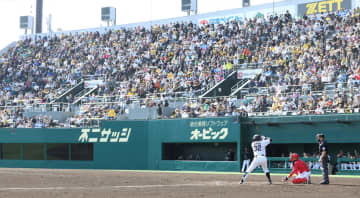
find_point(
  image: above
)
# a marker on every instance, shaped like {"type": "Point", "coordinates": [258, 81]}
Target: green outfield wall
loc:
{"type": "Point", "coordinates": [298, 132]}
{"type": "Point", "coordinates": [181, 144]}
{"type": "Point", "coordinates": [302, 129]}
{"type": "Point", "coordinates": [123, 145]}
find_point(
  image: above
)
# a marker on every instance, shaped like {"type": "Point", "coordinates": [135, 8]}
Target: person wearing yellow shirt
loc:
{"type": "Point", "coordinates": [153, 52]}
{"type": "Point", "coordinates": [133, 90]}
{"type": "Point", "coordinates": [299, 66]}
{"type": "Point", "coordinates": [111, 114]}
{"type": "Point", "coordinates": [306, 46]}
{"type": "Point", "coordinates": [228, 65]}
{"type": "Point", "coordinates": [45, 91]}
{"type": "Point", "coordinates": [272, 49]}
{"type": "Point", "coordinates": [170, 75]}
{"type": "Point", "coordinates": [274, 106]}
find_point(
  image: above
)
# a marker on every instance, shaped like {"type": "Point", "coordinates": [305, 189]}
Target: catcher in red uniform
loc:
{"type": "Point", "coordinates": [301, 169]}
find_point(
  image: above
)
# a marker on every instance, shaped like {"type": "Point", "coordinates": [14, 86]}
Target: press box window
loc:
{"type": "Point", "coordinates": [53, 151]}
{"type": "Point", "coordinates": [11, 151]}
{"type": "Point", "coordinates": [200, 151]}
{"type": "Point", "coordinates": [57, 151]}
{"type": "Point", "coordinates": [33, 151]}
{"type": "Point", "coordinates": [82, 151]}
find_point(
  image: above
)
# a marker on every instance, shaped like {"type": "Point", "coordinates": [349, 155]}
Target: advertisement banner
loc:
{"type": "Point", "coordinates": [209, 129]}
{"type": "Point", "coordinates": [323, 7]}
{"type": "Point", "coordinates": [248, 14]}
{"type": "Point", "coordinates": [248, 73]}
{"type": "Point", "coordinates": [104, 135]}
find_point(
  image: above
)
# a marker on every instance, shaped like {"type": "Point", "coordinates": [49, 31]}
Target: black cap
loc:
{"type": "Point", "coordinates": [256, 137]}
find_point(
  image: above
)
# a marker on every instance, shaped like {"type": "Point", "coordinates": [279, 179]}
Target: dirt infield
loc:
{"type": "Point", "coordinates": [41, 183]}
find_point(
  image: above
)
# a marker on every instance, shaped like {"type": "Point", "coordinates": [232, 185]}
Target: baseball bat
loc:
{"type": "Point", "coordinates": [257, 129]}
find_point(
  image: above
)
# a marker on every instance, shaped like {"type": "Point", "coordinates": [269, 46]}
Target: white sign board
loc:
{"type": "Point", "coordinates": [248, 14]}
{"type": "Point", "coordinates": [104, 136]}
{"type": "Point", "coordinates": [248, 73]}
{"type": "Point", "coordinates": [93, 83]}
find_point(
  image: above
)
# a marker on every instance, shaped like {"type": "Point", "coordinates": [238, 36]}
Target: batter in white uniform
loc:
{"type": "Point", "coordinates": [259, 148]}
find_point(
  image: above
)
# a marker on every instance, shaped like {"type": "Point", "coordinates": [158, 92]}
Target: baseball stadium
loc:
{"type": "Point", "coordinates": [180, 98]}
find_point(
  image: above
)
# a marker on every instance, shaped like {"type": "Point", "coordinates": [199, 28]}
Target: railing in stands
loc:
{"type": "Point", "coordinates": [304, 112]}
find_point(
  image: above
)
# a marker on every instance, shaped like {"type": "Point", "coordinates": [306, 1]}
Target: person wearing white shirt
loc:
{"type": "Point", "coordinates": [258, 146]}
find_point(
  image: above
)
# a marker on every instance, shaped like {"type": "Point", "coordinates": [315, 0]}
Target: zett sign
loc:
{"type": "Point", "coordinates": [323, 7]}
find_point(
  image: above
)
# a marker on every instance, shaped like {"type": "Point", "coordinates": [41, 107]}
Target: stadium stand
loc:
{"type": "Point", "coordinates": [309, 66]}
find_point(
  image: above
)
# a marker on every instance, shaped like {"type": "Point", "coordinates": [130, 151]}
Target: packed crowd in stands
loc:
{"type": "Point", "coordinates": [174, 57]}
{"type": "Point", "coordinates": [300, 56]}
{"type": "Point", "coordinates": [14, 118]}
{"type": "Point", "coordinates": [308, 53]}
{"type": "Point", "coordinates": [296, 103]}
{"type": "Point", "coordinates": [219, 107]}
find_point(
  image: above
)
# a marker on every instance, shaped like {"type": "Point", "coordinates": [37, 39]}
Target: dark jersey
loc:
{"type": "Point", "coordinates": [323, 147]}
{"type": "Point", "coordinates": [246, 156]}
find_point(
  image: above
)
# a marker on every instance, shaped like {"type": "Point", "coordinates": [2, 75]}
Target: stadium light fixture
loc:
{"type": "Point", "coordinates": [108, 14]}
{"type": "Point", "coordinates": [189, 6]}
{"type": "Point", "coordinates": [246, 3]}
{"type": "Point", "coordinates": [273, 7]}
{"type": "Point", "coordinates": [26, 23]}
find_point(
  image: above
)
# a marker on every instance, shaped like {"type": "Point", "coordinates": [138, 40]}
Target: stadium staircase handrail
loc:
{"type": "Point", "coordinates": [269, 93]}
{"type": "Point", "coordinates": [84, 94]}
{"type": "Point", "coordinates": [166, 95]}
{"type": "Point", "coordinates": [239, 86]}
{"type": "Point", "coordinates": [79, 82]}
{"type": "Point", "coordinates": [209, 89]}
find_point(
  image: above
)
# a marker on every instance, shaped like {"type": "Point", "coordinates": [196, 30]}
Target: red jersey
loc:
{"type": "Point", "coordinates": [299, 167]}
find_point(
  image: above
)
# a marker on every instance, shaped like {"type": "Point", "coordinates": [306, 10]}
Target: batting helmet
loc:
{"type": "Point", "coordinates": [256, 137]}
{"type": "Point", "coordinates": [320, 135]}
{"type": "Point", "coordinates": [294, 157]}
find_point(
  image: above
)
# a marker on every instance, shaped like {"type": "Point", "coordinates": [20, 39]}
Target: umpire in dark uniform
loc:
{"type": "Point", "coordinates": [324, 158]}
